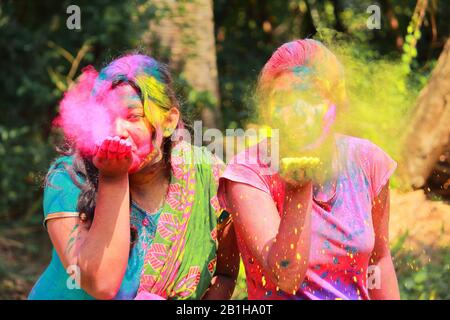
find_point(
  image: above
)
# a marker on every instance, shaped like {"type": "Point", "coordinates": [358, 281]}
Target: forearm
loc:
{"type": "Point", "coordinates": [387, 286]}
{"type": "Point", "coordinates": [103, 256]}
{"type": "Point", "coordinates": [289, 252]}
{"type": "Point", "coordinates": [381, 256]}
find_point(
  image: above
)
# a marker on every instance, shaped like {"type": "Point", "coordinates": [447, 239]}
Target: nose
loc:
{"type": "Point", "coordinates": [120, 129]}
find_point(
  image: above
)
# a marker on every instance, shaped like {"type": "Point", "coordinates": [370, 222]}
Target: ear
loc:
{"type": "Point", "coordinates": [171, 121]}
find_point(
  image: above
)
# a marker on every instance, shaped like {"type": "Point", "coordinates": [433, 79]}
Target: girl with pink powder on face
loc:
{"type": "Point", "coordinates": [129, 214]}
{"type": "Point", "coordinates": [310, 238]}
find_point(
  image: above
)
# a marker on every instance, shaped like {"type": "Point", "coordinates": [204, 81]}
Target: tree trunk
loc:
{"type": "Point", "coordinates": [338, 8]}
{"type": "Point", "coordinates": [429, 131]}
{"type": "Point", "coordinates": [186, 30]}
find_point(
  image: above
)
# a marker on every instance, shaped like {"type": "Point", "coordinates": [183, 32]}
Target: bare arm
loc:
{"type": "Point", "coordinates": [381, 255]}
{"type": "Point", "coordinates": [100, 249]}
{"type": "Point", "coordinates": [227, 270]}
{"type": "Point", "coordinates": [281, 246]}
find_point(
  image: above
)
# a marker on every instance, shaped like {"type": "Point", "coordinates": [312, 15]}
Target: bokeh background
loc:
{"type": "Point", "coordinates": [215, 50]}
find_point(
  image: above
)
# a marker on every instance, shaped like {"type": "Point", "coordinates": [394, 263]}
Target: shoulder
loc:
{"type": "Point", "coordinates": [60, 190]}
{"type": "Point", "coordinates": [62, 176]}
{"type": "Point", "coordinates": [354, 144]}
{"type": "Point", "coordinates": [359, 149]}
{"type": "Point", "coordinates": [255, 158]}
{"type": "Point", "coordinates": [377, 165]}
{"type": "Point", "coordinates": [251, 167]}
{"type": "Point", "coordinates": [61, 164]}
{"type": "Point", "coordinates": [59, 169]}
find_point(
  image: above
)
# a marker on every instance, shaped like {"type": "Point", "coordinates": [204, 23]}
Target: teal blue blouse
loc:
{"type": "Point", "coordinates": [61, 195]}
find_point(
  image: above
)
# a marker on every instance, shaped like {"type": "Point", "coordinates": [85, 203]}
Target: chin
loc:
{"type": "Point", "coordinates": [135, 165]}
{"type": "Point", "coordinates": [139, 163]}
{"type": "Point", "coordinates": [133, 169]}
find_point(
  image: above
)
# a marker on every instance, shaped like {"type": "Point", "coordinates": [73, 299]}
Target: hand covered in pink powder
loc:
{"type": "Point", "coordinates": [113, 157]}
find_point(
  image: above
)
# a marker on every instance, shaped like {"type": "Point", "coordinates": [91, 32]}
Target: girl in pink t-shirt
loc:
{"type": "Point", "coordinates": [324, 236]}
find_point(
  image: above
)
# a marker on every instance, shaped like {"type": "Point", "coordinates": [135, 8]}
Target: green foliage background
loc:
{"type": "Point", "coordinates": [36, 46]}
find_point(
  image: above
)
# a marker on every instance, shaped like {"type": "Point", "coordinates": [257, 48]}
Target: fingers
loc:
{"type": "Point", "coordinates": [298, 174]}
{"type": "Point", "coordinates": [295, 177]}
{"type": "Point", "coordinates": [103, 149]}
{"type": "Point", "coordinates": [124, 150]}
{"type": "Point", "coordinates": [122, 147]}
{"type": "Point", "coordinates": [113, 147]}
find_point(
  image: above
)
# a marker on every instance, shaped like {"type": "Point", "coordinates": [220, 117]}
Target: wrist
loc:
{"type": "Point", "coordinates": [113, 178]}
{"type": "Point", "coordinates": [295, 187]}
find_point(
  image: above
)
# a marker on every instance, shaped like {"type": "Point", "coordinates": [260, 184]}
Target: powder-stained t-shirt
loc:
{"type": "Point", "coordinates": [342, 235]}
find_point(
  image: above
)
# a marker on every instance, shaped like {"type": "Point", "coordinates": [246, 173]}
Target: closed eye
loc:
{"type": "Point", "coordinates": [136, 116]}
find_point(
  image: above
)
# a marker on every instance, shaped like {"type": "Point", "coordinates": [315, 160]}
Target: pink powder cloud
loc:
{"type": "Point", "coordinates": [83, 117]}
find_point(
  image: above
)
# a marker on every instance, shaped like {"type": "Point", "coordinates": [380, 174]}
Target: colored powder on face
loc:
{"type": "Point", "coordinates": [296, 93]}
{"type": "Point", "coordinates": [144, 73]}
{"type": "Point", "coordinates": [88, 111]}
{"type": "Point", "coordinates": [371, 101]}
{"type": "Point", "coordinates": [288, 111]}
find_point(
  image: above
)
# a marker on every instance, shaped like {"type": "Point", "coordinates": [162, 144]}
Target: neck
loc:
{"type": "Point", "coordinates": [328, 150]}
{"type": "Point", "coordinates": [327, 153]}
{"type": "Point", "coordinates": [149, 185]}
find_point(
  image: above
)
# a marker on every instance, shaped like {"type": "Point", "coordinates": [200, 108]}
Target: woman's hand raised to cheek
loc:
{"type": "Point", "coordinates": [113, 157]}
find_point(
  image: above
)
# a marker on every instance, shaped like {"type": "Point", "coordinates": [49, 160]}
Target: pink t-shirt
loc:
{"type": "Point", "coordinates": [342, 236]}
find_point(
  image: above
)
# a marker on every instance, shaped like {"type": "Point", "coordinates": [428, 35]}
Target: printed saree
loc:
{"type": "Point", "coordinates": [180, 262]}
